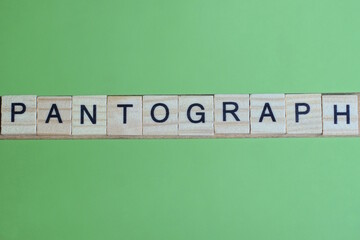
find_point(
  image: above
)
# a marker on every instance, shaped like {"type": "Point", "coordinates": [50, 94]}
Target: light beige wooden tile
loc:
{"type": "Point", "coordinates": [196, 115]}
{"type": "Point", "coordinates": [87, 127]}
{"type": "Point", "coordinates": [18, 115]}
{"type": "Point", "coordinates": [269, 124]}
{"type": "Point", "coordinates": [358, 96]}
{"type": "Point", "coordinates": [119, 123]}
{"type": "Point", "coordinates": [342, 125]}
{"type": "Point", "coordinates": [303, 114]}
{"type": "Point", "coordinates": [232, 114]}
{"type": "Point", "coordinates": [160, 115]}
{"type": "Point", "coordinates": [54, 115]}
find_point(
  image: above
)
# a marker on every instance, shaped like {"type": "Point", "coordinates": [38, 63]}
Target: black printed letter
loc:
{"type": "Point", "coordinates": [125, 106]}
{"type": "Point", "coordinates": [56, 115]}
{"type": "Point", "coordinates": [264, 114]}
{"type": "Point", "coordinates": [13, 112]}
{"type": "Point", "coordinates": [201, 114]}
{"type": "Point", "coordinates": [232, 112]}
{"type": "Point", "coordinates": [347, 114]}
{"type": "Point", "coordinates": [297, 112]}
{"type": "Point", "coordinates": [83, 110]}
{"type": "Point", "coordinates": [153, 110]}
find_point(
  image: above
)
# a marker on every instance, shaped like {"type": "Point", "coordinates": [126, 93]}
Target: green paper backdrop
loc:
{"type": "Point", "coordinates": [179, 189]}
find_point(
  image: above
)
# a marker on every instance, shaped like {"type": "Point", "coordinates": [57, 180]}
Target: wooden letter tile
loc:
{"type": "Point", "coordinates": [340, 115]}
{"type": "Point", "coordinates": [267, 113]}
{"type": "Point", "coordinates": [232, 114]}
{"type": "Point", "coordinates": [303, 114]}
{"type": "Point", "coordinates": [160, 115]}
{"type": "Point", "coordinates": [124, 115]}
{"type": "Point", "coordinates": [196, 115]}
{"type": "Point", "coordinates": [89, 115]}
{"type": "Point", "coordinates": [54, 115]}
{"type": "Point", "coordinates": [18, 115]}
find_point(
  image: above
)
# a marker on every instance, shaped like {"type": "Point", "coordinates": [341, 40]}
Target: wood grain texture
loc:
{"type": "Point", "coordinates": [87, 127]}
{"type": "Point", "coordinates": [168, 108]}
{"type": "Point", "coordinates": [342, 127]}
{"type": "Point", "coordinates": [231, 125]}
{"type": "Point", "coordinates": [268, 125]}
{"type": "Point", "coordinates": [24, 123]}
{"type": "Point", "coordinates": [131, 137]}
{"type": "Point", "coordinates": [190, 116]}
{"type": "Point", "coordinates": [196, 114]}
{"type": "Point", "coordinates": [46, 106]}
{"type": "Point", "coordinates": [116, 123]}
{"type": "Point", "coordinates": [309, 123]}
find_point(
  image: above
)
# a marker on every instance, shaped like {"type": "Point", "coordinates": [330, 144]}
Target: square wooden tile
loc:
{"type": "Point", "coordinates": [340, 115]}
{"type": "Point", "coordinates": [18, 115]}
{"type": "Point", "coordinates": [267, 113]}
{"type": "Point", "coordinates": [89, 115]}
{"type": "Point", "coordinates": [54, 115]}
{"type": "Point", "coordinates": [160, 115]}
{"type": "Point", "coordinates": [232, 114]}
{"type": "Point", "coordinates": [303, 114]}
{"type": "Point", "coordinates": [196, 115]}
{"type": "Point", "coordinates": [124, 115]}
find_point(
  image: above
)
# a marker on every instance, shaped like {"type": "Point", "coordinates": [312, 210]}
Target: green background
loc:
{"type": "Point", "coordinates": [179, 189]}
